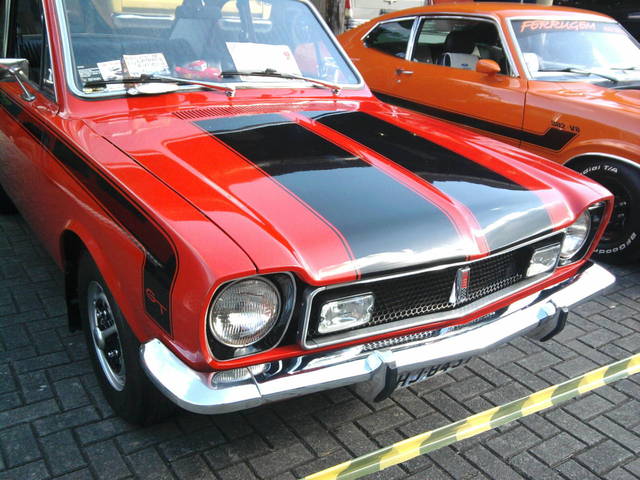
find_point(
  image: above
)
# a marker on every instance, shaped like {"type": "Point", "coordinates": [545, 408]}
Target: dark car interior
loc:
{"type": "Point", "coordinates": [198, 30]}
{"type": "Point", "coordinates": [468, 37]}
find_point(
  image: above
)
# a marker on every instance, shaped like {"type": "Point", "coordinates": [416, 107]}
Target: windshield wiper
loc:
{"type": "Point", "coordinates": [636, 67]}
{"type": "Point", "coordinates": [581, 71]}
{"type": "Point", "coordinates": [157, 78]}
{"type": "Point", "coordinates": [270, 72]}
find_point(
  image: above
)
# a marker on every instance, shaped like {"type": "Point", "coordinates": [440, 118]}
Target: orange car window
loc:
{"type": "Point", "coordinates": [458, 43]}
{"type": "Point", "coordinates": [391, 37]}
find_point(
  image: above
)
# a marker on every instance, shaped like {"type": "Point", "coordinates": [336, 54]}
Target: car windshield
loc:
{"type": "Point", "coordinates": [199, 40]}
{"type": "Point", "coordinates": [577, 48]}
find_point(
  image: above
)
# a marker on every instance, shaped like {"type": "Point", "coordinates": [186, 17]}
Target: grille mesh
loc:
{"type": "Point", "coordinates": [429, 292]}
{"type": "Point", "coordinates": [414, 337]}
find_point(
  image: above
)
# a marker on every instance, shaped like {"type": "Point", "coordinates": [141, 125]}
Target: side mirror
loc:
{"type": "Point", "coordinates": [487, 66]}
{"type": "Point", "coordinates": [18, 68]}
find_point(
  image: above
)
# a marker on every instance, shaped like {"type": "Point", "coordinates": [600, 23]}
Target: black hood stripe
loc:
{"type": "Point", "coordinates": [161, 260]}
{"type": "Point", "coordinates": [387, 225]}
{"type": "Point", "coordinates": [553, 139]}
{"type": "Point", "coordinates": [493, 199]}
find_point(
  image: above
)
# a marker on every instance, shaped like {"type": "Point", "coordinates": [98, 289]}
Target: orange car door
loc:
{"type": "Point", "coordinates": [377, 55]}
{"type": "Point", "coordinates": [439, 77]}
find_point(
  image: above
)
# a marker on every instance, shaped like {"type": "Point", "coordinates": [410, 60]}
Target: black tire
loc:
{"type": "Point", "coordinates": [123, 381]}
{"type": "Point", "coordinates": [6, 205]}
{"type": "Point", "coordinates": [621, 241]}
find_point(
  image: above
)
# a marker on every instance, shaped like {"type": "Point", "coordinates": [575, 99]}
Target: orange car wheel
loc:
{"type": "Point", "coordinates": [620, 242]}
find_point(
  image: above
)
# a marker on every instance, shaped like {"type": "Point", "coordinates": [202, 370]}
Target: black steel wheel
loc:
{"type": "Point", "coordinates": [621, 240]}
{"type": "Point", "coordinates": [114, 352]}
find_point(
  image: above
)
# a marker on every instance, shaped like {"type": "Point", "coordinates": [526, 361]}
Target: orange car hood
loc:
{"type": "Point", "coordinates": [627, 100]}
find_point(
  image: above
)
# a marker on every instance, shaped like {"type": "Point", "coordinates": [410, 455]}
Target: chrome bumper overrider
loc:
{"type": "Point", "coordinates": [377, 372]}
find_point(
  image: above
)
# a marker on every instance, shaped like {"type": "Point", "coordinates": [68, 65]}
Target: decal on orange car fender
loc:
{"type": "Point", "coordinates": [553, 138]}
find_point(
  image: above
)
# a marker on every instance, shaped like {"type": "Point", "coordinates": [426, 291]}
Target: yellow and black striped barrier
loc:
{"type": "Point", "coordinates": [479, 423]}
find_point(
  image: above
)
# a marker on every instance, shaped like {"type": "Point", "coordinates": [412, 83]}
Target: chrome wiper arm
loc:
{"type": "Point", "coordinates": [157, 78]}
{"type": "Point", "coordinates": [269, 72]}
{"type": "Point", "coordinates": [230, 91]}
{"type": "Point", "coordinates": [582, 72]}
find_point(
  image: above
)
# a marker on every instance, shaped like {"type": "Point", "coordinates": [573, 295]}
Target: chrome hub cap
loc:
{"type": "Point", "coordinates": [106, 338]}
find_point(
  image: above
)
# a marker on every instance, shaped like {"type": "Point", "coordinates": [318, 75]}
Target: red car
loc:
{"type": "Point", "coordinates": [269, 229]}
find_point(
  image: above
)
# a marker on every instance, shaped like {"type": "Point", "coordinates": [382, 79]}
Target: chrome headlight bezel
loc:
{"type": "Point", "coordinates": [249, 331]}
{"type": "Point", "coordinates": [575, 236]}
{"type": "Point", "coordinates": [222, 349]}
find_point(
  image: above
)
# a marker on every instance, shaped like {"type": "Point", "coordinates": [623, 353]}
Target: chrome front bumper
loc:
{"type": "Point", "coordinates": [377, 372]}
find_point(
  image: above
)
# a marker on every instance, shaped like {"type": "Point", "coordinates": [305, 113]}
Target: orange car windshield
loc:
{"type": "Point", "coordinates": [575, 48]}
{"type": "Point", "coordinates": [198, 40]}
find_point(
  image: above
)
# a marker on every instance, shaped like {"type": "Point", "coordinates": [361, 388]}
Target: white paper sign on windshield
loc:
{"type": "Point", "coordinates": [145, 64]}
{"type": "Point", "coordinates": [111, 70]}
{"type": "Point", "coordinates": [256, 57]}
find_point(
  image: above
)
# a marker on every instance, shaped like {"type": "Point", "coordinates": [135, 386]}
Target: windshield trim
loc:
{"type": "Point", "coordinates": [68, 61]}
{"type": "Point", "coordinates": [573, 17]}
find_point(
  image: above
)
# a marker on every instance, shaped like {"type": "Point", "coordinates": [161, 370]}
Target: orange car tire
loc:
{"type": "Point", "coordinates": [621, 241]}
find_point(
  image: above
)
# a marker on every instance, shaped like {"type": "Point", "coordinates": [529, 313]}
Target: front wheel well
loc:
{"type": "Point", "coordinates": [72, 247]}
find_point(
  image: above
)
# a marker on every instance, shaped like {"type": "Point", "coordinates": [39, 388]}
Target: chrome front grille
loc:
{"type": "Point", "coordinates": [416, 337]}
{"type": "Point", "coordinates": [398, 298]}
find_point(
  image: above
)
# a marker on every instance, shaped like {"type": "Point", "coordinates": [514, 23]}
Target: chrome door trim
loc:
{"type": "Point", "coordinates": [5, 34]}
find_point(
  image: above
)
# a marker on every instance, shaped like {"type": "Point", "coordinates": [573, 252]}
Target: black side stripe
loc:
{"type": "Point", "coordinates": [553, 139]}
{"type": "Point", "coordinates": [506, 211]}
{"type": "Point", "coordinates": [387, 225]}
{"type": "Point", "coordinates": [160, 266]}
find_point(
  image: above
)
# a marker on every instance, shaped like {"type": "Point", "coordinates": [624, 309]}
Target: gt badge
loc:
{"type": "Point", "coordinates": [460, 290]}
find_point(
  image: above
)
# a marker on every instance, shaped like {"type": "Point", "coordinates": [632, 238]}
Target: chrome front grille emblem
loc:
{"type": "Point", "coordinates": [460, 290]}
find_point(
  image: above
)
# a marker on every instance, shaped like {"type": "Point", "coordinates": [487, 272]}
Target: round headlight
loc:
{"type": "Point", "coordinates": [244, 312]}
{"type": "Point", "coordinates": [575, 236]}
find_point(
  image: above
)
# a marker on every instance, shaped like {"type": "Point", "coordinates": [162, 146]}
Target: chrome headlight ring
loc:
{"type": "Point", "coordinates": [250, 315]}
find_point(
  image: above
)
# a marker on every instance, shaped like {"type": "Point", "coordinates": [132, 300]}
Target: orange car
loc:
{"type": "Point", "coordinates": [562, 83]}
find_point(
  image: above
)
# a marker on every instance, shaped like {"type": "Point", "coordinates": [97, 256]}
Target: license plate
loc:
{"type": "Point", "coordinates": [419, 375]}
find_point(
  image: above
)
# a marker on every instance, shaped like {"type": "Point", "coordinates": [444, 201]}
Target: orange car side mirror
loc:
{"type": "Point", "coordinates": [485, 65]}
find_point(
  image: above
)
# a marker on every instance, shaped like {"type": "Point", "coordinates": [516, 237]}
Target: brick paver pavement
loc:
{"type": "Point", "coordinates": [54, 422]}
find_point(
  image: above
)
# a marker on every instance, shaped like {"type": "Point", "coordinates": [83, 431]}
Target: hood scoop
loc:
{"type": "Point", "coordinates": [226, 110]}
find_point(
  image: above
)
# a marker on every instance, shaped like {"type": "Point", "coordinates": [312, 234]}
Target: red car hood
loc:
{"type": "Point", "coordinates": [339, 191]}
